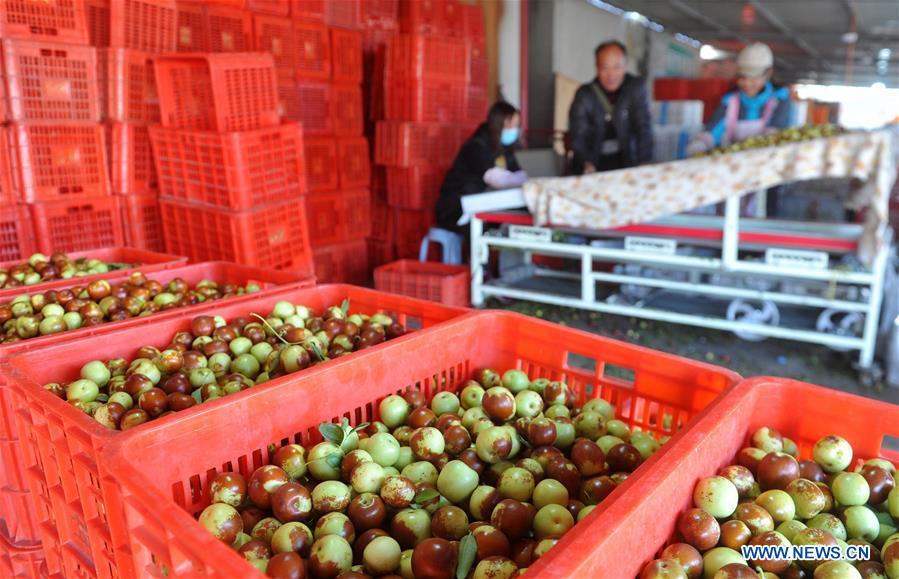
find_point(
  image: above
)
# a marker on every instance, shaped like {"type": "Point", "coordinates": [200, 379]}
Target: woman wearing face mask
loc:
{"type": "Point", "coordinates": [756, 107]}
{"type": "Point", "coordinates": [486, 161]}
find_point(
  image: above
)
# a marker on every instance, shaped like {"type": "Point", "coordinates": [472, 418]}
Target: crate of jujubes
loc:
{"type": "Point", "coordinates": [40, 271]}
{"type": "Point", "coordinates": [472, 448]}
{"type": "Point", "coordinates": [803, 472]}
{"type": "Point", "coordinates": [101, 385]}
{"type": "Point", "coordinates": [38, 317]}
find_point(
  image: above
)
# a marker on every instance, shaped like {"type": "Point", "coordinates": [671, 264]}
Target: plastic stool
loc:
{"type": "Point", "coordinates": [451, 243]}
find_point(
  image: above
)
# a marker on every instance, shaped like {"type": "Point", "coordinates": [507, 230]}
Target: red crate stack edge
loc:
{"type": "Point", "coordinates": [433, 88]}
{"type": "Point", "coordinates": [327, 99]}
{"type": "Point", "coordinates": [231, 175]}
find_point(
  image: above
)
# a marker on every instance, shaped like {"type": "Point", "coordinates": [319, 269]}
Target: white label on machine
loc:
{"type": "Point", "coordinates": [650, 245]}
{"type": "Point", "coordinates": [796, 258]}
{"type": "Point", "coordinates": [528, 233]}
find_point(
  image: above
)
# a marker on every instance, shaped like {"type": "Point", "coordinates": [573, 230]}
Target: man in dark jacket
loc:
{"type": "Point", "coordinates": [609, 120]}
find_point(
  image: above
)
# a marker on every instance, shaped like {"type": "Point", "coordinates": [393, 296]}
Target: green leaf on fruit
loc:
{"type": "Point", "coordinates": [334, 459]}
{"type": "Point", "coordinates": [468, 550]}
{"type": "Point", "coordinates": [345, 306]}
{"type": "Point", "coordinates": [331, 432]}
{"type": "Point", "coordinates": [362, 426]}
{"type": "Point", "coordinates": [316, 351]}
{"type": "Point", "coordinates": [425, 496]}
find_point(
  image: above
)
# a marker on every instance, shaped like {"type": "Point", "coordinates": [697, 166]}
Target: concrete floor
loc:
{"type": "Point", "coordinates": [772, 357]}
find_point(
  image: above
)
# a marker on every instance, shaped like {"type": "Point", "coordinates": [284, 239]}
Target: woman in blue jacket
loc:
{"type": "Point", "coordinates": [757, 107]}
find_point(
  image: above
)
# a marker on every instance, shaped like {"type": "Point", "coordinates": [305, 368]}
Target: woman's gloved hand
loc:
{"type": "Point", "coordinates": [700, 143]}
{"type": "Point", "coordinates": [498, 178]}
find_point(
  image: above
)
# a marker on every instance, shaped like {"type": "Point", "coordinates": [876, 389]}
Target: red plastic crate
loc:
{"type": "Point", "coordinates": [338, 216]}
{"type": "Point", "coordinates": [478, 70]}
{"type": "Point", "coordinates": [422, 16]}
{"type": "Point", "coordinates": [143, 260]}
{"type": "Point", "coordinates": [343, 263]}
{"type": "Point", "coordinates": [16, 236]}
{"type": "Point", "coordinates": [142, 475]}
{"type": "Point", "coordinates": [344, 13]}
{"type": "Point", "coordinates": [55, 502]}
{"type": "Point", "coordinates": [274, 7]}
{"type": "Point", "coordinates": [50, 82]}
{"type": "Point", "coordinates": [411, 226]}
{"type": "Point", "coordinates": [405, 144]}
{"type": "Point", "coordinates": [18, 521]}
{"type": "Point", "coordinates": [311, 10]}
{"type": "Point", "coordinates": [314, 101]}
{"type": "Point", "coordinates": [57, 21]}
{"type": "Point", "coordinates": [97, 14]}
{"type": "Point", "coordinates": [379, 252]}
{"type": "Point", "coordinates": [230, 29]}
{"type": "Point", "coordinates": [217, 92]}
{"type": "Point", "coordinates": [64, 446]}
{"type": "Point", "coordinates": [230, 170]}
{"type": "Point", "coordinates": [276, 36]}
{"type": "Point", "coordinates": [273, 235]}
{"type": "Point", "coordinates": [129, 85]}
{"type": "Point", "coordinates": [414, 187]}
{"type": "Point", "coordinates": [267, 279]}
{"type": "Point", "coordinates": [26, 563]}
{"type": "Point", "coordinates": [425, 101]}
{"type": "Point", "coordinates": [415, 56]}
{"type": "Point", "coordinates": [148, 25]}
{"type": "Point", "coordinates": [142, 222]}
{"type": "Point", "coordinates": [193, 29]}
{"type": "Point", "coordinates": [313, 50]}
{"type": "Point", "coordinates": [473, 22]}
{"type": "Point", "coordinates": [380, 14]}
{"type": "Point", "coordinates": [58, 162]}
{"type": "Point", "coordinates": [671, 89]}
{"type": "Point", "coordinates": [453, 19]}
{"type": "Point", "coordinates": [477, 103]}
{"type": "Point", "coordinates": [76, 225]}
{"type": "Point", "coordinates": [382, 221]}
{"type": "Point", "coordinates": [353, 161]}
{"type": "Point", "coordinates": [800, 411]}
{"type": "Point", "coordinates": [437, 282]}
{"type": "Point", "coordinates": [288, 99]}
{"type": "Point", "coordinates": [321, 164]}
{"type": "Point", "coordinates": [346, 55]}
{"type": "Point", "coordinates": [131, 167]}
{"type": "Point", "coordinates": [347, 109]}
{"type": "Point", "coordinates": [7, 192]}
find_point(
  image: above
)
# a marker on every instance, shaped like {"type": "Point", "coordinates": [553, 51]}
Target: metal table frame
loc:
{"type": "Point", "coordinates": [730, 234]}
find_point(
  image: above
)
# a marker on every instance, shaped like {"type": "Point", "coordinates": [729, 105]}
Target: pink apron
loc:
{"type": "Point", "coordinates": [736, 130]}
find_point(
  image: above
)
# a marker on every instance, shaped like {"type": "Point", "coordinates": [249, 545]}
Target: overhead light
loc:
{"type": "Point", "coordinates": [884, 54]}
{"type": "Point", "coordinates": [849, 38]}
{"type": "Point", "coordinates": [709, 52]}
{"type": "Point", "coordinates": [878, 86]}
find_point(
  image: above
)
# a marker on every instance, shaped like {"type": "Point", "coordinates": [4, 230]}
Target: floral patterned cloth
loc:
{"type": "Point", "coordinates": [641, 194]}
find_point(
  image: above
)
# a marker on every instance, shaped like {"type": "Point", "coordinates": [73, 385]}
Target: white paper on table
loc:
{"type": "Point", "coordinates": [492, 201]}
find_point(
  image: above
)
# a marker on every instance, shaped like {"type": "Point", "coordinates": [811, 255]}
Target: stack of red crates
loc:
{"type": "Point", "coordinates": [435, 94]}
{"type": "Point", "coordinates": [231, 174]}
{"type": "Point", "coordinates": [708, 90]}
{"type": "Point", "coordinates": [55, 185]}
{"type": "Point", "coordinates": [380, 23]}
{"type": "Point", "coordinates": [318, 59]}
{"type": "Point", "coordinates": [128, 35]}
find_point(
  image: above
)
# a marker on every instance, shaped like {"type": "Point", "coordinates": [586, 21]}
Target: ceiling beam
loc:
{"type": "Point", "coordinates": [724, 30]}
{"type": "Point", "coordinates": [783, 28]}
